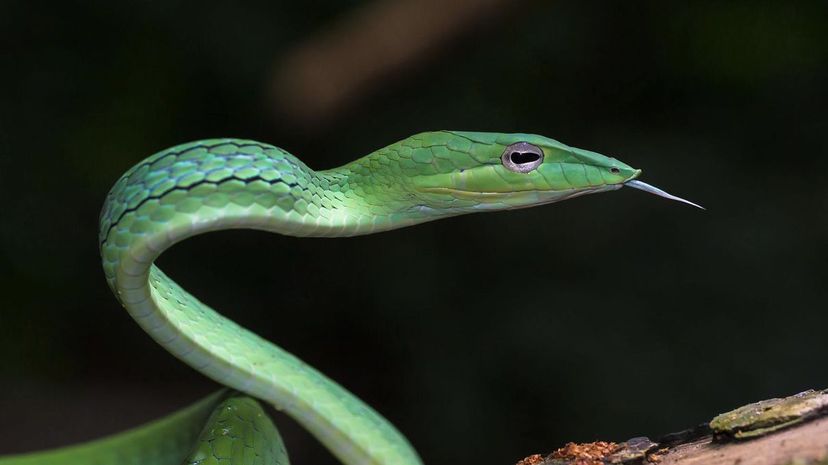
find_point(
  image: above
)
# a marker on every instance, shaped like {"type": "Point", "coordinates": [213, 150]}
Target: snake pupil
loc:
{"type": "Point", "coordinates": [520, 158]}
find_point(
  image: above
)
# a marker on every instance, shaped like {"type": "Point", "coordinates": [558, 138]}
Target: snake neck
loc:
{"type": "Point", "coordinates": [262, 187]}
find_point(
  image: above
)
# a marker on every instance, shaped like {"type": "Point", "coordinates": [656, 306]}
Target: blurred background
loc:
{"type": "Point", "coordinates": [485, 337]}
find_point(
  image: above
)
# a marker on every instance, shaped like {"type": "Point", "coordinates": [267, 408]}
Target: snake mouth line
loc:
{"type": "Point", "coordinates": [451, 190]}
{"type": "Point", "coordinates": [496, 194]}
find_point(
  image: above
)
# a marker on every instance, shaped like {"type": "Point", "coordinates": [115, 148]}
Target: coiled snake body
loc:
{"type": "Point", "coordinates": [227, 183]}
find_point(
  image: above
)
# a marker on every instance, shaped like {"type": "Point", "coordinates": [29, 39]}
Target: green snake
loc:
{"type": "Point", "coordinates": [211, 185]}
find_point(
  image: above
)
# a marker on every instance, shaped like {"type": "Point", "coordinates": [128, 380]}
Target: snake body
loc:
{"type": "Point", "coordinates": [219, 184]}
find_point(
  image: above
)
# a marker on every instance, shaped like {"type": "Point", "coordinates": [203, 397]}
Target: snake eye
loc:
{"type": "Point", "coordinates": [614, 170]}
{"type": "Point", "coordinates": [522, 157]}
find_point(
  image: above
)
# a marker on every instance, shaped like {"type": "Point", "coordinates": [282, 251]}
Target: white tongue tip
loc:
{"type": "Point", "coordinates": [655, 190]}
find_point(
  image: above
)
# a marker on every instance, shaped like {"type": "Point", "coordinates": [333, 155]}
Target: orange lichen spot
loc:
{"type": "Point", "coordinates": [533, 459]}
{"type": "Point", "coordinates": [657, 456]}
{"type": "Point", "coordinates": [591, 453]}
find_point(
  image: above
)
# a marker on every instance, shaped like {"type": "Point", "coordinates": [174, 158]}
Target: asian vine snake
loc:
{"type": "Point", "coordinates": [227, 183]}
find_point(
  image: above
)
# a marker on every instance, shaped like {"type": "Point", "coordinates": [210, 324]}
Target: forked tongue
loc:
{"type": "Point", "coordinates": [655, 190]}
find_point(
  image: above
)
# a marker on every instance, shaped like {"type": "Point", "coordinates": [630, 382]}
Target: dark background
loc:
{"type": "Point", "coordinates": [485, 337]}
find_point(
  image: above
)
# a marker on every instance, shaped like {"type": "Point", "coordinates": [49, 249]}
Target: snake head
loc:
{"type": "Point", "coordinates": [494, 171]}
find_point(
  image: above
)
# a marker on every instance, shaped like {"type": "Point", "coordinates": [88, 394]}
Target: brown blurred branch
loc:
{"type": "Point", "coordinates": [366, 49]}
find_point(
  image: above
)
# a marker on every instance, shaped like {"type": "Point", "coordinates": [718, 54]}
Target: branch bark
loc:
{"type": "Point", "coordinates": [786, 431]}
